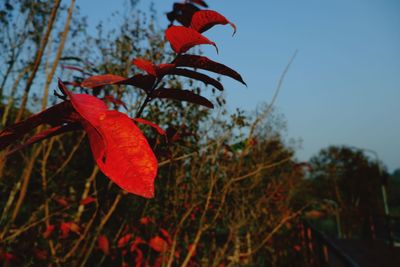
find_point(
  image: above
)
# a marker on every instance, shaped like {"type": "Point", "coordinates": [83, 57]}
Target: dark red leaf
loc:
{"type": "Point", "coordinates": [54, 116]}
{"type": "Point", "coordinates": [182, 95]}
{"type": "Point", "coordinates": [87, 200]}
{"type": "Point", "coordinates": [75, 68]}
{"type": "Point", "coordinates": [200, 62]}
{"type": "Point", "coordinates": [141, 81]}
{"type": "Point", "coordinates": [57, 130]}
{"type": "Point", "coordinates": [155, 126]}
{"type": "Point", "coordinates": [203, 20]}
{"type": "Point", "coordinates": [103, 244]}
{"type": "Point", "coordinates": [158, 244]}
{"type": "Point", "coordinates": [61, 201]}
{"type": "Point", "coordinates": [199, 2]}
{"type": "Point", "coordinates": [197, 76]}
{"type": "Point", "coordinates": [101, 80]}
{"type": "Point", "coordinates": [182, 13]}
{"type": "Point", "coordinates": [182, 38]}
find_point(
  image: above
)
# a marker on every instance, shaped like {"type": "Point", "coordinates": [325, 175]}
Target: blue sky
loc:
{"type": "Point", "coordinates": [344, 85]}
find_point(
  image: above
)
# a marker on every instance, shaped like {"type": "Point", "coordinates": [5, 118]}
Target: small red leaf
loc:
{"type": "Point", "coordinates": [103, 244]}
{"type": "Point", "coordinates": [197, 76]}
{"type": "Point", "coordinates": [101, 80]}
{"type": "Point", "coordinates": [68, 227]}
{"type": "Point", "coordinates": [145, 220]}
{"type": "Point", "coordinates": [182, 38]}
{"type": "Point", "coordinates": [61, 201]}
{"type": "Point", "coordinates": [203, 20]}
{"type": "Point", "coordinates": [49, 230]}
{"type": "Point", "coordinates": [158, 244]}
{"type": "Point", "coordinates": [182, 95]}
{"type": "Point", "coordinates": [75, 68]}
{"type": "Point", "coordinates": [200, 62]}
{"type": "Point", "coordinates": [166, 235]}
{"type": "Point", "coordinates": [145, 65]}
{"type": "Point", "coordinates": [155, 126]}
{"type": "Point", "coordinates": [123, 241]}
{"type": "Point", "coordinates": [87, 200]}
{"type": "Point", "coordinates": [151, 69]}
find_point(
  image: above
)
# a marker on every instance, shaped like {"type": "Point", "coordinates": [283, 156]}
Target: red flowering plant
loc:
{"type": "Point", "coordinates": [119, 148]}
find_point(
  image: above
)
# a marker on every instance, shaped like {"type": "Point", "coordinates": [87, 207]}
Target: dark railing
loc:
{"type": "Point", "coordinates": [321, 251]}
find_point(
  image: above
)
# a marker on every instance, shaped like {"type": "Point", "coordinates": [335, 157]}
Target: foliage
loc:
{"type": "Point", "coordinates": [224, 188]}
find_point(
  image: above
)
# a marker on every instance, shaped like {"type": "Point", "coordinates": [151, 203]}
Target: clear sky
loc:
{"type": "Point", "coordinates": [344, 85]}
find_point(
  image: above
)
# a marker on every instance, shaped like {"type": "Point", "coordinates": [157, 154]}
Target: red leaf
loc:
{"type": "Point", "coordinates": [203, 20]}
{"type": "Point", "coordinates": [87, 200]}
{"type": "Point", "coordinates": [118, 146]}
{"type": "Point", "coordinates": [182, 38]}
{"type": "Point", "coordinates": [155, 126]}
{"type": "Point", "coordinates": [123, 241]}
{"type": "Point", "coordinates": [182, 95]}
{"type": "Point", "coordinates": [151, 69]}
{"type": "Point", "coordinates": [145, 65]}
{"type": "Point", "coordinates": [135, 243]}
{"type": "Point", "coordinates": [49, 230]}
{"type": "Point", "coordinates": [158, 244]}
{"type": "Point", "coordinates": [68, 227]}
{"type": "Point", "coordinates": [103, 244]}
{"type": "Point", "coordinates": [166, 235]}
{"type": "Point", "coordinates": [205, 63]}
{"type": "Point", "coordinates": [126, 157]}
{"type": "Point", "coordinates": [101, 80]}
{"type": "Point", "coordinates": [62, 201]}
{"type": "Point", "coordinates": [145, 220]}
{"type": "Point", "coordinates": [197, 76]}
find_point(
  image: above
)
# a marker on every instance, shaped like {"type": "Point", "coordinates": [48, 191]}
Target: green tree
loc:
{"type": "Point", "coordinates": [351, 181]}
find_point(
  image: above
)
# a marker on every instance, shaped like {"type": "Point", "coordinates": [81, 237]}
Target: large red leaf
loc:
{"type": "Point", "coordinates": [182, 95]}
{"type": "Point", "coordinates": [200, 62]}
{"type": "Point", "coordinates": [182, 38]}
{"type": "Point", "coordinates": [197, 76]}
{"type": "Point", "coordinates": [203, 20]}
{"type": "Point", "coordinates": [128, 159]}
{"type": "Point", "coordinates": [119, 148]}
{"type": "Point", "coordinates": [101, 80]}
